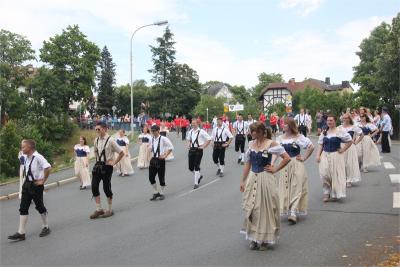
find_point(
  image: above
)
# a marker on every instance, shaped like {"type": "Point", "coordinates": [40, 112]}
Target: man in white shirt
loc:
{"type": "Point", "coordinates": [249, 122]}
{"type": "Point", "coordinates": [161, 147]}
{"type": "Point", "coordinates": [36, 171]}
{"type": "Point", "coordinates": [386, 127]}
{"type": "Point", "coordinates": [222, 138]}
{"type": "Point", "coordinates": [302, 120]}
{"type": "Point", "coordinates": [105, 149]}
{"type": "Point", "coordinates": [198, 140]}
{"type": "Point", "coordinates": [239, 128]}
{"type": "Point", "coordinates": [214, 122]}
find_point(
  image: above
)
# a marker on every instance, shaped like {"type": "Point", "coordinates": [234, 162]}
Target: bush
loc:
{"type": "Point", "coordinates": [9, 147]}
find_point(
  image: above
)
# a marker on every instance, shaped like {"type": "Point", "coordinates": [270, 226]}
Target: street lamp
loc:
{"type": "Point", "coordinates": [158, 23]}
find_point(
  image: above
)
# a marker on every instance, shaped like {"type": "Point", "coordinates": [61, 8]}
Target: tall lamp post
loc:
{"type": "Point", "coordinates": [158, 23]}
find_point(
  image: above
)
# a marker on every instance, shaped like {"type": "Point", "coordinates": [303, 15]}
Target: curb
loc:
{"type": "Point", "coordinates": [49, 186]}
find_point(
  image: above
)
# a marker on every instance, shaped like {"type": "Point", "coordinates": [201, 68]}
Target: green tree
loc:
{"type": "Point", "coordinates": [215, 107]}
{"type": "Point", "coordinates": [240, 94]}
{"type": "Point", "coordinates": [263, 80]}
{"type": "Point", "coordinates": [163, 59]}
{"type": "Point", "coordinates": [106, 78]}
{"type": "Point", "coordinates": [72, 59]}
{"type": "Point", "coordinates": [123, 97]}
{"type": "Point", "coordinates": [379, 67]}
{"type": "Point", "coordinates": [15, 50]}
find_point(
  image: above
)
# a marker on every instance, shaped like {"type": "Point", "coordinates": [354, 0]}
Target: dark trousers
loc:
{"type": "Point", "coordinates": [30, 192]}
{"type": "Point", "coordinates": [239, 143]}
{"type": "Point", "coordinates": [219, 155]}
{"type": "Point", "coordinates": [160, 170]}
{"type": "Point", "coordinates": [183, 133]}
{"type": "Point", "coordinates": [303, 130]}
{"type": "Point", "coordinates": [195, 159]}
{"type": "Point", "coordinates": [385, 142]}
{"type": "Point", "coordinates": [106, 177]}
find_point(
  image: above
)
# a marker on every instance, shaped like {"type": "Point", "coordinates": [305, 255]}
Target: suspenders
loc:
{"type": "Point", "coordinates": [304, 120]}
{"type": "Point", "coordinates": [158, 148]}
{"type": "Point", "coordinates": [242, 131]}
{"type": "Point", "coordinates": [103, 153]}
{"type": "Point", "coordinates": [219, 139]}
{"type": "Point", "coordinates": [196, 141]}
{"type": "Point", "coordinates": [29, 174]}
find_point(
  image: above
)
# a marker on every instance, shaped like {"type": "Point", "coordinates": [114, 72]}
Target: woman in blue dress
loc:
{"type": "Point", "coordinates": [260, 188]}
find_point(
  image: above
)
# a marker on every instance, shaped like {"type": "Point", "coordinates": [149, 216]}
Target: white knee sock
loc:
{"type": "Point", "coordinates": [22, 223]}
{"type": "Point", "coordinates": [221, 167]}
{"type": "Point", "coordinates": [45, 223]}
{"type": "Point", "coordinates": [196, 177]}
{"type": "Point", "coordinates": [155, 190]}
{"type": "Point", "coordinates": [162, 190]}
{"type": "Point", "coordinates": [242, 156]}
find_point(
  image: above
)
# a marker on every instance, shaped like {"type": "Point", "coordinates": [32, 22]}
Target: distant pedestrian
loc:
{"type": "Point", "coordinates": [386, 129]}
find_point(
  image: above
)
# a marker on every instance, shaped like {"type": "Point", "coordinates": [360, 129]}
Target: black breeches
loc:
{"type": "Point", "coordinates": [160, 170]}
{"type": "Point", "coordinates": [30, 192]}
{"type": "Point", "coordinates": [106, 178]}
{"type": "Point", "coordinates": [195, 159]}
{"type": "Point", "coordinates": [219, 155]}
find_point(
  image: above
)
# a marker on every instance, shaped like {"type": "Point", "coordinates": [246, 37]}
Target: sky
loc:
{"type": "Point", "coordinates": [232, 41]}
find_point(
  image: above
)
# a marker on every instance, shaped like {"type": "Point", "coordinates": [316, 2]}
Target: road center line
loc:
{"type": "Point", "coordinates": [202, 186]}
{"type": "Point", "coordinates": [395, 178]}
{"type": "Point", "coordinates": [388, 165]}
{"type": "Point", "coordinates": [396, 200]}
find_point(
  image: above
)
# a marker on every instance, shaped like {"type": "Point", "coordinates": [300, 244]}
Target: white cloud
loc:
{"type": "Point", "coordinates": [308, 53]}
{"type": "Point", "coordinates": [304, 7]}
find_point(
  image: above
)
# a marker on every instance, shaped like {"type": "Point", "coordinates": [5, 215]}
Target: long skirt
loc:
{"type": "Point", "coordinates": [352, 167]}
{"type": "Point", "coordinates": [261, 207]}
{"type": "Point", "coordinates": [368, 152]}
{"type": "Point", "coordinates": [293, 188]}
{"type": "Point", "coordinates": [81, 171]}
{"type": "Point", "coordinates": [144, 156]}
{"type": "Point", "coordinates": [124, 166]}
{"type": "Point", "coordinates": [333, 174]}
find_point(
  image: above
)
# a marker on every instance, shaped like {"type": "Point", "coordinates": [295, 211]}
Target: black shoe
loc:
{"type": "Point", "coordinates": [242, 163]}
{"type": "Point", "coordinates": [201, 177]}
{"type": "Point", "coordinates": [218, 172]}
{"type": "Point", "coordinates": [155, 196]}
{"type": "Point", "coordinates": [239, 160]}
{"type": "Point", "coordinates": [45, 231]}
{"type": "Point", "coordinates": [16, 237]}
{"type": "Point", "coordinates": [221, 174]}
{"type": "Point", "coordinates": [161, 197]}
{"type": "Point", "coordinates": [195, 186]}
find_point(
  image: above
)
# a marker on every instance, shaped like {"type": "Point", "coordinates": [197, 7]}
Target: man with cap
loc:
{"type": "Point", "coordinates": [198, 140]}
{"type": "Point", "coordinates": [222, 138]}
{"type": "Point", "coordinates": [386, 128]}
{"type": "Point", "coordinates": [161, 147]}
{"type": "Point", "coordinates": [35, 174]}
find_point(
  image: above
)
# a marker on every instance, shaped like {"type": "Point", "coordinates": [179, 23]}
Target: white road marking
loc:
{"type": "Point", "coordinates": [388, 165]}
{"type": "Point", "coordinates": [396, 200]}
{"type": "Point", "coordinates": [201, 186]}
{"type": "Point", "coordinates": [395, 178]}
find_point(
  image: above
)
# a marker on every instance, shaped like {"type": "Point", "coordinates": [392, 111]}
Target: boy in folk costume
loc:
{"type": "Point", "coordinates": [222, 138]}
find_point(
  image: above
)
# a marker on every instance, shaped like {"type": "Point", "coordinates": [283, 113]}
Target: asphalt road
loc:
{"type": "Point", "coordinates": [201, 227]}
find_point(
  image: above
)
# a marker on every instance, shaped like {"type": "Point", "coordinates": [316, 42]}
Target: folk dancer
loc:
{"type": "Point", "coordinates": [239, 128]}
{"type": "Point", "coordinates": [330, 157]}
{"type": "Point", "coordinates": [81, 166]}
{"type": "Point", "coordinates": [161, 146]}
{"type": "Point", "coordinates": [198, 140]}
{"type": "Point", "coordinates": [36, 172]}
{"type": "Point", "coordinates": [105, 148]}
{"type": "Point", "coordinates": [260, 199]}
{"type": "Point", "coordinates": [124, 166]}
{"type": "Point", "coordinates": [222, 138]}
{"type": "Point", "coordinates": [144, 149]}
{"type": "Point", "coordinates": [293, 178]}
